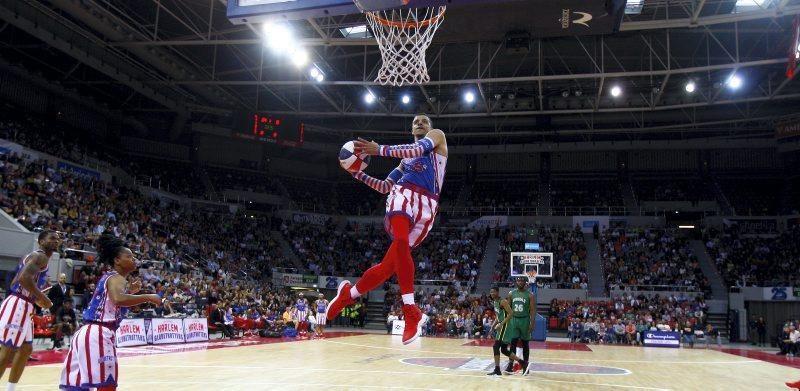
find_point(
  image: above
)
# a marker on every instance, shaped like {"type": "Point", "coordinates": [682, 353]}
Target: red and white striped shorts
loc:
{"type": "Point", "coordinates": [418, 205]}
{"type": "Point", "coordinates": [92, 359]}
{"type": "Point", "coordinates": [321, 318]}
{"type": "Point", "coordinates": [16, 321]}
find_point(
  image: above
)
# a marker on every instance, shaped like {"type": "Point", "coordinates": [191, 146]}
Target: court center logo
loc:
{"type": "Point", "coordinates": [583, 18]}
{"type": "Point", "coordinates": [485, 365]}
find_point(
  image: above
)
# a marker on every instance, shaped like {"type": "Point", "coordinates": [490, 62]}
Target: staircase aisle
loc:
{"type": "Point", "coordinates": [486, 274]}
{"type": "Point", "coordinates": [597, 281]}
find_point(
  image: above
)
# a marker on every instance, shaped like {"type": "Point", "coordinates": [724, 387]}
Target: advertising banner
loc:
{"type": "Point", "coordinates": [131, 332]}
{"type": "Point", "coordinates": [662, 339]}
{"type": "Point", "coordinates": [195, 330]}
{"type": "Point", "coordinates": [780, 293]}
{"type": "Point", "coordinates": [167, 331]}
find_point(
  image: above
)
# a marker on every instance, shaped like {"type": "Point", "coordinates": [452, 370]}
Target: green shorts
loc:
{"type": "Point", "coordinates": [517, 328]}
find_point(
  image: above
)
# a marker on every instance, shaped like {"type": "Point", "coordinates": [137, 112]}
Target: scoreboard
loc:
{"type": "Point", "coordinates": [262, 127]}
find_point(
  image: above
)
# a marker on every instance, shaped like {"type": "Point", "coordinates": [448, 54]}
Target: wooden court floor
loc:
{"type": "Point", "coordinates": [378, 362]}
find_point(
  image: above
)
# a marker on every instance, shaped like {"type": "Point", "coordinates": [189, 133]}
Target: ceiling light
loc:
{"type": "Point", "coordinates": [300, 57]}
{"type": "Point", "coordinates": [690, 87]}
{"type": "Point", "coordinates": [406, 99]}
{"type": "Point", "coordinates": [314, 72]}
{"type": "Point", "coordinates": [369, 98]}
{"type": "Point", "coordinates": [278, 36]}
{"type": "Point", "coordinates": [616, 91]}
{"type": "Point", "coordinates": [469, 97]}
{"type": "Point", "coordinates": [319, 78]}
{"type": "Point", "coordinates": [734, 82]}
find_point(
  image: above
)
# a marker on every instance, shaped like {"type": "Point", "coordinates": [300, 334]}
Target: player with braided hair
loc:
{"type": "Point", "coordinates": [413, 199]}
{"type": "Point", "coordinates": [92, 358]}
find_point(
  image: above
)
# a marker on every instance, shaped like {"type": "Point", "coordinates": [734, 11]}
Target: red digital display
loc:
{"type": "Point", "coordinates": [267, 128]}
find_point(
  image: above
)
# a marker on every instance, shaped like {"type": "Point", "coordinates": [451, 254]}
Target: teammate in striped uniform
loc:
{"type": "Point", "coordinates": [301, 310]}
{"type": "Point", "coordinates": [413, 198]}
{"type": "Point", "coordinates": [322, 308]}
{"type": "Point", "coordinates": [92, 358]}
{"type": "Point", "coordinates": [16, 312]}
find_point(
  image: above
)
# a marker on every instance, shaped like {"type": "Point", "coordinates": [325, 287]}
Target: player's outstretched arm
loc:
{"type": "Point", "coordinates": [116, 292]}
{"type": "Point", "coordinates": [381, 186]}
{"type": "Point", "coordinates": [424, 145]}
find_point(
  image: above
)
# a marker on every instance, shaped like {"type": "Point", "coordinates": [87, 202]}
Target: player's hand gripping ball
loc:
{"type": "Point", "coordinates": [351, 160]}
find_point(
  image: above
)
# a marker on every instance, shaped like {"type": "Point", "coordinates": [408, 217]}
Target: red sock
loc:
{"type": "Point", "coordinates": [381, 272]}
{"type": "Point", "coordinates": [401, 252]}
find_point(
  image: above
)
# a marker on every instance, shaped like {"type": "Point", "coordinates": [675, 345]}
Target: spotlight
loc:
{"type": "Point", "coordinates": [690, 87]}
{"type": "Point", "coordinates": [616, 91]}
{"type": "Point", "coordinates": [734, 82]}
{"type": "Point", "coordinates": [278, 36]}
{"type": "Point", "coordinates": [498, 96]}
{"type": "Point", "coordinates": [314, 72]}
{"type": "Point", "coordinates": [300, 57]}
{"type": "Point", "coordinates": [565, 94]}
{"type": "Point", "coordinates": [578, 92]}
{"type": "Point", "coordinates": [469, 97]}
{"type": "Point", "coordinates": [511, 96]}
{"type": "Point", "coordinates": [320, 77]}
{"type": "Point", "coordinates": [406, 99]}
{"type": "Point", "coordinates": [369, 98]}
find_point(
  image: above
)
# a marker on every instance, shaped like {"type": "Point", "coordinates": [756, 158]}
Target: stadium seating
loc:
{"type": "Point", "coordinates": [653, 259]}
{"type": "Point", "coordinates": [756, 259]}
{"type": "Point", "coordinates": [568, 248]}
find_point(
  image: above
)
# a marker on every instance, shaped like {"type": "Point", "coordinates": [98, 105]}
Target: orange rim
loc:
{"type": "Point", "coordinates": [407, 25]}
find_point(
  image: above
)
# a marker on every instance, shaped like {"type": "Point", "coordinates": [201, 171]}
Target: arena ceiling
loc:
{"type": "Point", "coordinates": [183, 60]}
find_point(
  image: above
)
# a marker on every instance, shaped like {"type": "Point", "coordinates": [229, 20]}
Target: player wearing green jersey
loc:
{"type": "Point", "coordinates": [523, 317]}
{"type": "Point", "coordinates": [503, 313]}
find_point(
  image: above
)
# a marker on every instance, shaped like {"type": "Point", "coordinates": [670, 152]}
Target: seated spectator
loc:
{"type": "Point", "coordinates": [65, 323]}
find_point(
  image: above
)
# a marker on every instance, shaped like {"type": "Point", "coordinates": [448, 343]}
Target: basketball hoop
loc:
{"type": "Point", "coordinates": [532, 276]}
{"type": "Point", "coordinates": [403, 35]}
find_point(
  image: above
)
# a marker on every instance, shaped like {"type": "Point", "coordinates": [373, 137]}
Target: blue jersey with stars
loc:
{"type": "Point", "coordinates": [426, 171]}
{"type": "Point", "coordinates": [101, 308]}
{"type": "Point", "coordinates": [40, 281]}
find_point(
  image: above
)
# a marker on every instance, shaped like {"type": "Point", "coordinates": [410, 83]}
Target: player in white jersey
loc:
{"type": "Point", "coordinates": [322, 309]}
{"type": "Point", "coordinates": [16, 312]}
{"type": "Point", "coordinates": [92, 358]}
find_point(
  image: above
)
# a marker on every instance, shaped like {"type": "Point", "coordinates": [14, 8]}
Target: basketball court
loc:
{"type": "Point", "coordinates": [356, 361]}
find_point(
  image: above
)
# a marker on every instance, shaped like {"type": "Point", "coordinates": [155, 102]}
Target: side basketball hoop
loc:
{"type": "Point", "coordinates": [403, 35]}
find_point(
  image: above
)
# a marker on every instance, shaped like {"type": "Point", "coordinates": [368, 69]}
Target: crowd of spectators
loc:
{"type": "Point", "coordinates": [504, 193]}
{"type": "Point", "coordinates": [568, 248]}
{"type": "Point", "coordinates": [586, 193]}
{"type": "Point", "coordinates": [754, 196]}
{"type": "Point", "coordinates": [755, 259]}
{"type": "Point", "coordinates": [251, 180]}
{"type": "Point", "coordinates": [672, 189]}
{"type": "Point", "coordinates": [39, 196]}
{"type": "Point", "coordinates": [651, 259]}
{"type": "Point", "coordinates": [624, 319]}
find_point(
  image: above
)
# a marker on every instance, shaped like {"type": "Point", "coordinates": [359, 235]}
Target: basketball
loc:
{"type": "Point", "coordinates": [352, 161]}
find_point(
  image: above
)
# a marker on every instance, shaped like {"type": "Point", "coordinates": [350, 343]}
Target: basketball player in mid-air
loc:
{"type": "Point", "coordinates": [503, 315]}
{"type": "Point", "coordinates": [413, 190]}
{"type": "Point", "coordinates": [523, 318]}
{"type": "Point", "coordinates": [16, 312]}
{"type": "Point", "coordinates": [92, 358]}
{"type": "Point", "coordinates": [322, 308]}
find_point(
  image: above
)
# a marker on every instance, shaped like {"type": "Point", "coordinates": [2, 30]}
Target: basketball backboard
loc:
{"type": "Point", "coordinates": [524, 262]}
{"type": "Point", "coordinates": [254, 11]}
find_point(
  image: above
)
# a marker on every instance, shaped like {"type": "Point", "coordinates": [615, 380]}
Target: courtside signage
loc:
{"type": "Point", "coordinates": [662, 339]}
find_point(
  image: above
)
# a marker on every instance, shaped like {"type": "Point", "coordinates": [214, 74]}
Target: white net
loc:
{"type": "Point", "coordinates": [403, 36]}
